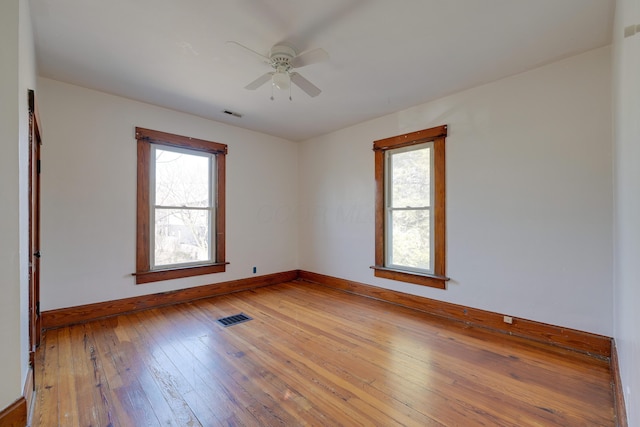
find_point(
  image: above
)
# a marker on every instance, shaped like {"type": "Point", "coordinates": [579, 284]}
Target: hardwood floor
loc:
{"type": "Point", "coordinates": [310, 356]}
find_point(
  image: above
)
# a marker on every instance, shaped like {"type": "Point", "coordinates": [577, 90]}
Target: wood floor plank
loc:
{"type": "Point", "coordinates": [215, 394]}
{"type": "Point", "coordinates": [175, 369]}
{"type": "Point", "coordinates": [329, 376]}
{"type": "Point", "coordinates": [489, 411]}
{"type": "Point", "coordinates": [310, 356]}
{"type": "Point", "coordinates": [122, 394]}
{"type": "Point", "coordinates": [166, 376]}
{"type": "Point", "coordinates": [88, 379]}
{"type": "Point", "coordinates": [68, 409]}
{"type": "Point", "coordinates": [256, 379]}
{"type": "Point", "coordinates": [154, 393]}
{"type": "Point", "coordinates": [412, 375]}
{"type": "Point", "coordinates": [47, 381]}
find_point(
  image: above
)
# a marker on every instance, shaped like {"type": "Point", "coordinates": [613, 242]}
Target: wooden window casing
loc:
{"type": "Point", "coordinates": [437, 278]}
{"type": "Point", "coordinates": [144, 273]}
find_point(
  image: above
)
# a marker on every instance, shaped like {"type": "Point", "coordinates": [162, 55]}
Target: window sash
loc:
{"type": "Point", "coordinates": [153, 207]}
{"type": "Point", "coordinates": [390, 209]}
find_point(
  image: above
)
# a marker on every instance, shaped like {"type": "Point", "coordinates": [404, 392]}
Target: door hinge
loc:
{"type": "Point", "coordinates": [38, 309]}
{"type": "Point", "coordinates": [39, 166]}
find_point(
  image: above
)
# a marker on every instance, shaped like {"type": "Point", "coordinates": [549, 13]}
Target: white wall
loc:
{"type": "Point", "coordinates": [27, 80]}
{"type": "Point", "coordinates": [9, 211]}
{"type": "Point", "coordinates": [17, 74]}
{"type": "Point", "coordinates": [627, 204]}
{"type": "Point", "coordinates": [89, 196]}
{"type": "Point", "coordinates": [529, 195]}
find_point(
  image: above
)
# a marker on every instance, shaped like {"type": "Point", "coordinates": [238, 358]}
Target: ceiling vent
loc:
{"type": "Point", "coordinates": [232, 113]}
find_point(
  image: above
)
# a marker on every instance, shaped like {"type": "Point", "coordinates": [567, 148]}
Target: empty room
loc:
{"type": "Point", "coordinates": [337, 213]}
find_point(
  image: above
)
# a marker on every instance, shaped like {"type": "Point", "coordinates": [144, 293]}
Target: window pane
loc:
{"type": "Point", "coordinates": [182, 179]}
{"type": "Point", "coordinates": [181, 236]}
{"type": "Point", "coordinates": [411, 178]}
{"type": "Point", "coordinates": [410, 240]}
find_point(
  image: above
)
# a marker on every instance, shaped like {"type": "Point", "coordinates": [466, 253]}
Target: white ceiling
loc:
{"type": "Point", "coordinates": [384, 55]}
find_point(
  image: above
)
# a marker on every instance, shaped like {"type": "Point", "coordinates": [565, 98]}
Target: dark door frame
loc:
{"type": "Point", "coordinates": [35, 329]}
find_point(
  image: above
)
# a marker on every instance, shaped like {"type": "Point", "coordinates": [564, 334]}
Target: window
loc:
{"type": "Point", "coordinates": [181, 207]}
{"type": "Point", "coordinates": [410, 207]}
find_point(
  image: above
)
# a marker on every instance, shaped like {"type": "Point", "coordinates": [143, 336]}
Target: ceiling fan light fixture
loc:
{"type": "Point", "coordinates": [284, 61]}
{"type": "Point", "coordinates": [281, 80]}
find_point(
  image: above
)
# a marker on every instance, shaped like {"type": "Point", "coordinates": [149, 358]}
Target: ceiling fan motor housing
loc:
{"type": "Point", "coordinates": [281, 56]}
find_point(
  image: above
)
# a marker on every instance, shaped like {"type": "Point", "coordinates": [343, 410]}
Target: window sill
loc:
{"type": "Point", "coordinates": [431, 280]}
{"type": "Point", "coordinates": [178, 273]}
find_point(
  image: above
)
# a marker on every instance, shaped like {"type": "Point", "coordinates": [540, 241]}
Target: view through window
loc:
{"type": "Point", "coordinates": [182, 207]}
{"type": "Point", "coordinates": [408, 211]}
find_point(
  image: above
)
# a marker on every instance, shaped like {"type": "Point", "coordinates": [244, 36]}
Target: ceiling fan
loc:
{"type": "Point", "coordinates": [283, 59]}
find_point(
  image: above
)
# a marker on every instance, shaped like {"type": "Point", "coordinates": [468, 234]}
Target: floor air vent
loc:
{"type": "Point", "coordinates": [233, 320]}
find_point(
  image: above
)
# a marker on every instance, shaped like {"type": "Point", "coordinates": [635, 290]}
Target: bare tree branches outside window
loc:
{"type": "Point", "coordinates": [183, 207]}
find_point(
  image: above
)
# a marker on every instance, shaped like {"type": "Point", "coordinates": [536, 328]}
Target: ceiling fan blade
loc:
{"type": "Point", "coordinates": [247, 49]}
{"type": "Point", "coordinates": [304, 84]}
{"type": "Point", "coordinates": [259, 81]}
{"type": "Point", "coordinates": [311, 57]}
